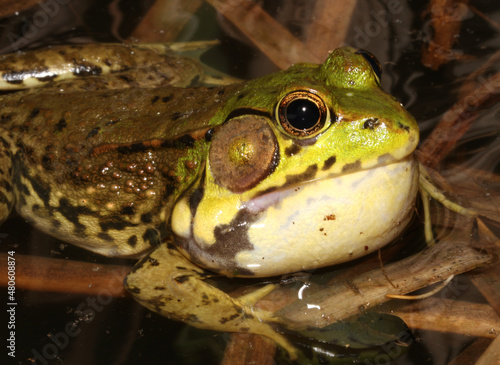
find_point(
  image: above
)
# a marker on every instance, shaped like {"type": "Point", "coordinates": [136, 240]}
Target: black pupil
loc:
{"type": "Point", "coordinates": [302, 114]}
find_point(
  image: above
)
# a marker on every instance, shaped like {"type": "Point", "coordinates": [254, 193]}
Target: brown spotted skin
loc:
{"type": "Point", "coordinates": [6, 171]}
{"type": "Point", "coordinates": [97, 66]}
{"type": "Point", "coordinates": [99, 170]}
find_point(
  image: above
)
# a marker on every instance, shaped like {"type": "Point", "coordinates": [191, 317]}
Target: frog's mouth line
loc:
{"type": "Point", "coordinates": [273, 197]}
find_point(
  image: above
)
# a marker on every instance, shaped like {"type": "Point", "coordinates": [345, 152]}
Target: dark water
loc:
{"type": "Point", "coordinates": [122, 332]}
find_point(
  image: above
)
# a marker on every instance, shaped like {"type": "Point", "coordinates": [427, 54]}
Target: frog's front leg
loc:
{"type": "Point", "coordinates": [6, 184]}
{"type": "Point", "coordinates": [167, 283]}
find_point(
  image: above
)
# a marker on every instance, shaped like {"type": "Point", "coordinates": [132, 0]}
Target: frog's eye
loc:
{"type": "Point", "coordinates": [373, 61]}
{"type": "Point", "coordinates": [302, 113]}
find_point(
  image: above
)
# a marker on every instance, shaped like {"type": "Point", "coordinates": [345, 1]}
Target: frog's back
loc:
{"type": "Point", "coordinates": [101, 170]}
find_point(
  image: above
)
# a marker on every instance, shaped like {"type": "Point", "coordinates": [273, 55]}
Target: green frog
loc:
{"type": "Point", "coordinates": [301, 169]}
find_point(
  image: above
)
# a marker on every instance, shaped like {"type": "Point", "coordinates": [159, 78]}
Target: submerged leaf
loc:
{"type": "Point", "coordinates": [354, 340]}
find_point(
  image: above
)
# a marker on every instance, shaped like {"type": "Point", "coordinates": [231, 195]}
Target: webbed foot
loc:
{"type": "Point", "coordinates": [167, 283]}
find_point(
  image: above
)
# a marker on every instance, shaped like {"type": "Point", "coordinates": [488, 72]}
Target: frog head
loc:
{"type": "Point", "coordinates": [307, 167]}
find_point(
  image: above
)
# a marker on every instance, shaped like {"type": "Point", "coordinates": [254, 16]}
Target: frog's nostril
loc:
{"type": "Point", "coordinates": [371, 123]}
{"type": "Point", "coordinates": [402, 126]}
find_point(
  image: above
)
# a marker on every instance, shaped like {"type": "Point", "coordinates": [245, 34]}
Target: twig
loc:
{"type": "Point", "coordinates": [165, 20]}
{"type": "Point", "coordinates": [330, 26]}
{"type": "Point", "coordinates": [450, 315]}
{"type": "Point", "coordinates": [247, 348]}
{"type": "Point", "coordinates": [425, 268]}
{"type": "Point", "coordinates": [455, 123]}
{"type": "Point", "coordinates": [446, 17]}
{"type": "Point", "coordinates": [277, 43]}
{"type": "Point", "coordinates": [492, 354]}
{"type": "Point", "coordinates": [64, 276]}
{"type": "Point", "coordinates": [470, 355]}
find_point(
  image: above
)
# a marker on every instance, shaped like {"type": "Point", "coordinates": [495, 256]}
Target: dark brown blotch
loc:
{"type": "Point", "coordinates": [111, 122]}
{"type": "Point", "coordinates": [43, 191]}
{"type": "Point", "coordinates": [93, 132]}
{"type": "Point", "coordinates": [330, 161]}
{"type": "Point", "coordinates": [147, 217]}
{"type": "Point", "coordinates": [307, 175]}
{"type": "Point", "coordinates": [153, 262]}
{"type": "Point", "coordinates": [3, 119]}
{"type": "Point", "coordinates": [34, 113]}
{"type": "Point", "coordinates": [131, 290]}
{"type": "Point", "coordinates": [224, 320]}
{"type": "Point", "coordinates": [127, 210]}
{"type": "Point", "coordinates": [105, 236]}
{"type": "Point", "coordinates": [5, 185]}
{"type": "Point", "coordinates": [293, 149]}
{"type": "Point", "coordinates": [177, 115]}
{"type": "Point", "coordinates": [125, 78]}
{"type": "Point", "coordinates": [116, 223]}
{"type": "Point", "coordinates": [383, 159]}
{"type": "Point", "coordinates": [86, 69]}
{"type": "Point", "coordinates": [132, 241]}
{"type": "Point", "coordinates": [59, 127]}
{"type": "Point", "coordinates": [72, 213]}
{"type": "Point", "coordinates": [352, 166]}
{"type": "Point", "coordinates": [47, 160]}
{"type": "Point", "coordinates": [181, 279]}
{"type": "Point", "coordinates": [152, 236]}
{"type": "Point", "coordinates": [133, 148]}
{"type": "Point", "coordinates": [55, 223]}
{"type": "Point", "coordinates": [232, 238]}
